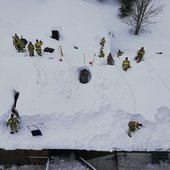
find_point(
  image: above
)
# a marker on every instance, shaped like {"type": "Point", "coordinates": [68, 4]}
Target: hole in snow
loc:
{"type": "Point", "coordinates": [84, 75]}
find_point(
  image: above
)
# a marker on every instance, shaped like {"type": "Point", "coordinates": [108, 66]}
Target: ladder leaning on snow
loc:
{"type": "Point", "coordinates": [86, 164]}
{"type": "Point", "coordinates": [69, 161]}
{"type": "Point", "coordinates": [47, 165]}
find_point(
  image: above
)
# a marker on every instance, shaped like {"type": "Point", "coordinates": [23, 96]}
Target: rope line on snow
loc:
{"type": "Point", "coordinates": [130, 89]}
{"type": "Point", "coordinates": [159, 77]}
{"type": "Point", "coordinates": [126, 82]}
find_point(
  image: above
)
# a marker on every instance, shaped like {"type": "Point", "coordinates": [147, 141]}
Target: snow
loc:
{"type": "Point", "coordinates": [71, 115]}
{"type": "Point", "coordinates": [72, 166]}
{"type": "Point", "coordinates": [25, 167]}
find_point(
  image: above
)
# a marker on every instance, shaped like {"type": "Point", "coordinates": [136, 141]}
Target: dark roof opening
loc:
{"type": "Point", "coordinates": [84, 75]}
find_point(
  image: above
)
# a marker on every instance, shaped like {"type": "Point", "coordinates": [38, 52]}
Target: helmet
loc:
{"type": "Point", "coordinates": [126, 58]}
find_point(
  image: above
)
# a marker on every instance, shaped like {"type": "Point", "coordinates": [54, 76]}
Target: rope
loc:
{"type": "Point", "coordinates": [126, 82]}
{"type": "Point", "coordinates": [130, 89]}
{"type": "Point", "coordinates": [159, 77]}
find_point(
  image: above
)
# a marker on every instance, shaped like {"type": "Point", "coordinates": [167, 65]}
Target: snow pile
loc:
{"type": "Point", "coordinates": [162, 166]}
{"type": "Point", "coordinates": [25, 167]}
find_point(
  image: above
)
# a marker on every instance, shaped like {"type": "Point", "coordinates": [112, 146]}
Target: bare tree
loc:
{"type": "Point", "coordinates": [142, 13]}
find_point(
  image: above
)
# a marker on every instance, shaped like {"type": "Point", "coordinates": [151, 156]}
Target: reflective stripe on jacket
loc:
{"type": "Point", "coordinates": [38, 45]}
{"type": "Point", "coordinates": [126, 64]}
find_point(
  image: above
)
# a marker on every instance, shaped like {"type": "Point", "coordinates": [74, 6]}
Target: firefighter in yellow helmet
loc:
{"type": "Point", "coordinates": [101, 54]}
{"type": "Point", "coordinates": [102, 42]}
{"type": "Point", "coordinates": [140, 55]}
{"type": "Point", "coordinates": [133, 126]}
{"type": "Point", "coordinates": [110, 60]}
{"type": "Point", "coordinates": [13, 123]}
{"type": "Point", "coordinates": [38, 49]}
{"type": "Point", "coordinates": [20, 45]}
{"type": "Point", "coordinates": [126, 64]}
{"type": "Point", "coordinates": [15, 41]}
{"type": "Point", "coordinates": [31, 49]}
{"type": "Point", "coordinates": [119, 53]}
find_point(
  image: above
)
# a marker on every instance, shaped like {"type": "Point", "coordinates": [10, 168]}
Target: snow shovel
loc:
{"type": "Point", "coordinates": [34, 130]}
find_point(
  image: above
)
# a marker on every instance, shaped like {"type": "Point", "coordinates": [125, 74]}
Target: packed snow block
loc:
{"type": "Point", "coordinates": [48, 49]}
{"type": "Point", "coordinates": [55, 35]}
{"type": "Point", "coordinates": [84, 76]}
{"type": "Point", "coordinates": [34, 130]}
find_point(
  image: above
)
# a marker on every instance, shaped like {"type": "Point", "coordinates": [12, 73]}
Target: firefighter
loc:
{"type": "Point", "coordinates": [101, 55]}
{"type": "Point", "coordinates": [110, 60]}
{"type": "Point", "coordinates": [25, 42]}
{"type": "Point", "coordinates": [38, 47]}
{"type": "Point", "coordinates": [15, 41]}
{"type": "Point", "coordinates": [126, 64]}
{"type": "Point", "coordinates": [102, 42]}
{"type": "Point", "coordinates": [20, 45]}
{"type": "Point", "coordinates": [133, 126]}
{"type": "Point", "coordinates": [31, 49]}
{"type": "Point", "coordinates": [140, 55]}
{"type": "Point", "coordinates": [13, 123]}
{"type": "Point", "coordinates": [119, 53]}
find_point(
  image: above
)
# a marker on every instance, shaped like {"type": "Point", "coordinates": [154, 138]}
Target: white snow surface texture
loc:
{"type": "Point", "coordinates": [72, 115]}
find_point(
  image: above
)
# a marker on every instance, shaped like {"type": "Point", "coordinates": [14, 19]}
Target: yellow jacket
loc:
{"type": "Point", "coordinates": [133, 125]}
{"type": "Point", "coordinates": [126, 64]}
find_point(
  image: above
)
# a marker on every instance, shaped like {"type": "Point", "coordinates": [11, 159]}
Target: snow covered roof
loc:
{"type": "Point", "coordinates": [71, 115]}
